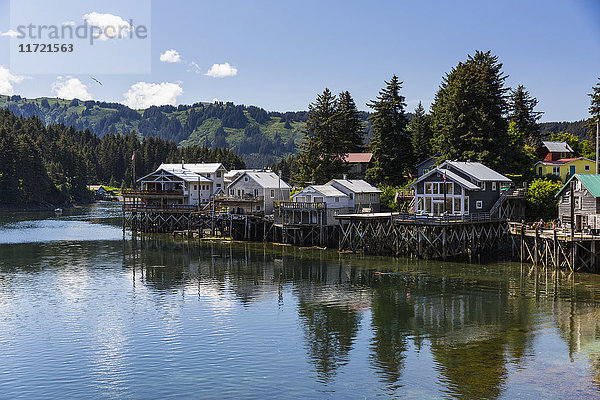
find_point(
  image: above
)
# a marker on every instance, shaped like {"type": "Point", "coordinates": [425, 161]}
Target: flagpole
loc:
{"type": "Point", "coordinates": [133, 161]}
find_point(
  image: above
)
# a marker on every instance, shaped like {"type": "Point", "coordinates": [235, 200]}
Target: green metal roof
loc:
{"type": "Point", "coordinates": [590, 181]}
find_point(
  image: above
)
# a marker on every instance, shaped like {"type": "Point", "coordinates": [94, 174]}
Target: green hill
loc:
{"type": "Point", "coordinates": [260, 137]}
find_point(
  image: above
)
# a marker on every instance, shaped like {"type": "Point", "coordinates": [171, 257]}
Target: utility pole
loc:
{"type": "Point", "coordinates": [597, 134]}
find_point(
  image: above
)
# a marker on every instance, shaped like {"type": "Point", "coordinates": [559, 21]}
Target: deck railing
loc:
{"type": "Point", "coordinates": [294, 205]}
{"type": "Point", "coordinates": [137, 192]}
{"type": "Point", "coordinates": [475, 217]}
{"type": "Point", "coordinates": [160, 208]}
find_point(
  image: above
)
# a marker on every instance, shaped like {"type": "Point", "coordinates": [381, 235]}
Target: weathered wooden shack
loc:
{"type": "Point", "coordinates": [579, 201]}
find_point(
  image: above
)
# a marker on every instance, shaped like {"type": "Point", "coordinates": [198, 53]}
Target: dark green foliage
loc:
{"type": "Point", "coordinates": [522, 114]}
{"type": "Point", "coordinates": [185, 125]}
{"type": "Point", "coordinates": [420, 135]}
{"type": "Point", "coordinates": [468, 113]}
{"type": "Point", "coordinates": [390, 145]}
{"type": "Point", "coordinates": [53, 164]}
{"type": "Point", "coordinates": [541, 202]}
{"type": "Point", "coordinates": [577, 128]}
{"type": "Point", "coordinates": [349, 124]}
{"type": "Point", "coordinates": [581, 148]}
{"type": "Point", "coordinates": [333, 129]}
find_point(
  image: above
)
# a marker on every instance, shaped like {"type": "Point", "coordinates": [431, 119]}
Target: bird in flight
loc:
{"type": "Point", "coordinates": [97, 81]}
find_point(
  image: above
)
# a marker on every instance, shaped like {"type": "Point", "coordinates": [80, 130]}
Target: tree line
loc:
{"type": "Point", "coordinates": [53, 164]}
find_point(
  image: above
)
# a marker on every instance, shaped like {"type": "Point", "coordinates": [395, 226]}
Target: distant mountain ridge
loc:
{"type": "Point", "coordinates": [260, 137]}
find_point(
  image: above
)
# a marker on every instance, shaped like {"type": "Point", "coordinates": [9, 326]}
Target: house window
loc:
{"type": "Point", "coordinates": [318, 199]}
{"type": "Point", "coordinates": [195, 187]}
{"type": "Point", "coordinates": [449, 188]}
{"type": "Point", "coordinates": [218, 174]}
{"type": "Point", "coordinates": [428, 188]}
{"type": "Point", "coordinates": [457, 205]}
{"type": "Point", "coordinates": [586, 168]}
{"type": "Point", "coordinates": [483, 186]}
{"type": "Point", "coordinates": [299, 199]}
{"type": "Point", "coordinates": [208, 175]}
{"type": "Point", "coordinates": [479, 204]}
{"type": "Point", "coordinates": [232, 192]}
{"type": "Point", "coordinates": [272, 193]}
{"type": "Point", "coordinates": [493, 185]}
{"type": "Point", "coordinates": [218, 185]}
{"type": "Point", "coordinates": [245, 179]}
{"type": "Point", "coordinates": [578, 203]}
{"type": "Point", "coordinates": [255, 192]}
{"type": "Point", "coordinates": [337, 199]}
{"type": "Point", "coordinates": [257, 208]}
{"type": "Point", "coordinates": [556, 171]}
{"type": "Point", "coordinates": [540, 171]}
{"type": "Point", "coordinates": [466, 205]}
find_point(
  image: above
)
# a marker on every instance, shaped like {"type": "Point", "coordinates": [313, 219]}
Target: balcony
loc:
{"type": "Point", "coordinates": [293, 205]}
{"type": "Point", "coordinates": [153, 193]}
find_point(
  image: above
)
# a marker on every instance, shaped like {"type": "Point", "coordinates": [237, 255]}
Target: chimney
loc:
{"type": "Point", "coordinates": [182, 163]}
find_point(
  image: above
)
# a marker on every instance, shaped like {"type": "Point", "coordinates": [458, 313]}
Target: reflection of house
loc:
{"type": "Point", "coordinates": [426, 165]}
{"type": "Point", "coordinates": [181, 184]}
{"type": "Point", "coordinates": [585, 192]}
{"type": "Point", "coordinates": [264, 188]}
{"type": "Point", "coordinates": [336, 202]}
{"type": "Point", "coordinates": [458, 188]}
{"type": "Point", "coordinates": [359, 162]}
{"type": "Point", "coordinates": [565, 167]}
{"type": "Point", "coordinates": [364, 197]}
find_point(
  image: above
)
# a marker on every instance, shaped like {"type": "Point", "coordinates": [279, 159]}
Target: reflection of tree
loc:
{"type": "Point", "coordinates": [392, 319]}
{"type": "Point", "coordinates": [329, 332]}
{"type": "Point", "coordinates": [473, 370]}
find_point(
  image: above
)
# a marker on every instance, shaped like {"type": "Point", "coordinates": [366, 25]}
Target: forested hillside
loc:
{"type": "Point", "coordinates": [577, 128]}
{"type": "Point", "coordinates": [260, 137]}
{"type": "Point", "coordinates": [53, 164]}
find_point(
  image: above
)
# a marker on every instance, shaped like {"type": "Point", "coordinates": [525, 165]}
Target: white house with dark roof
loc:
{"type": "Point", "coordinates": [363, 196]}
{"type": "Point", "coordinates": [264, 187]}
{"type": "Point", "coordinates": [182, 184]}
{"type": "Point", "coordinates": [458, 188]}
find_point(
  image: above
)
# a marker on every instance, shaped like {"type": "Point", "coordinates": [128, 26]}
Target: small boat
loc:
{"type": "Point", "coordinates": [58, 210]}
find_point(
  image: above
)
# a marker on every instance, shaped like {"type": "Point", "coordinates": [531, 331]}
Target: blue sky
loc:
{"type": "Point", "coordinates": [279, 55]}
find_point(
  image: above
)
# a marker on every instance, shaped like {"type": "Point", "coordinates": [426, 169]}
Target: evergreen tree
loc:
{"type": "Point", "coordinates": [468, 112]}
{"type": "Point", "coordinates": [523, 119]}
{"type": "Point", "coordinates": [349, 124]}
{"type": "Point", "coordinates": [390, 145]}
{"type": "Point", "coordinates": [322, 152]}
{"type": "Point", "coordinates": [420, 135]}
{"type": "Point", "coordinates": [595, 113]}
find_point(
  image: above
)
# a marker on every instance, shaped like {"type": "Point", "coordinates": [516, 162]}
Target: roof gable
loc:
{"type": "Point", "coordinates": [184, 175]}
{"type": "Point", "coordinates": [325, 190]}
{"type": "Point", "coordinates": [449, 175]}
{"type": "Point", "coordinates": [476, 171]}
{"type": "Point", "coordinates": [199, 168]}
{"type": "Point", "coordinates": [265, 179]}
{"type": "Point", "coordinates": [590, 181]}
{"type": "Point", "coordinates": [557, 147]}
{"type": "Point", "coordinates": [355, 185]}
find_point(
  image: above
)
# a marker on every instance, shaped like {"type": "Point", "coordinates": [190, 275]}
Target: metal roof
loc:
{"type": "Point", "coordinates": [477, 171]}
{"type": "Point", "coordinates": [557, 147]}
{"type": "Point", "coordinates": [451, 176]}
{"type": "Point", "coordinates": [265, 179]}
{"type": "Point", "coordinates": [590, 181]}
{"type": "Point", "coordinates": [563, 161]}
{"type": "Point", "coordinates": [355, 185]}
{"type": "Point", "coordinates": [185, 175]}
{"type": "Point", "coordinates": [200, 168]}
{"type": "Point", "coordinates": [325, 190]}
{"type": "Point", "coordinates": [433, 157]}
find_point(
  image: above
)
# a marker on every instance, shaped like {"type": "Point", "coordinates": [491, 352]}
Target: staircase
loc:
{"type": "Point", "coordinates": [513, 193]}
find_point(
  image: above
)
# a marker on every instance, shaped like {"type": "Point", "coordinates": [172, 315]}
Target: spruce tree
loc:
{"type": "Point", "coordinates": [390, 145]}
{"type": "Point", "coordinates": [420, 135]}
{"type": "Point", "coordinates": [595, 113]}
{"type": "Point", "coordinates": [523, 119]}
{"type": "Point", "coordinates": [468, 113]}
{"type": "Point", "coordinates": [349, 126]}
{"type": "Point", "coordinates": [321, 156]}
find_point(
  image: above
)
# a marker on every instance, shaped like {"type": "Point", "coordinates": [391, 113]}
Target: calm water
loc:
{"type": "Point", "coordinates": [85, 313]}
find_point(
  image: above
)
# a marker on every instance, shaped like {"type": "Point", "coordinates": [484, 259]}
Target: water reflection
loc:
{"type": "Point", "coordinates": [117, 317]}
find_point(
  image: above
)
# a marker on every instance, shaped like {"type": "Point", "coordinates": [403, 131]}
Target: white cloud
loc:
{"type": "Point", "coordinates": [221, 70]}
{"type": "Point", "coordinates": [10, 33]}
{"type": "Point", "coordinates": [69, 23]}
{"type": "Point", "coordinates": [67, 87]}
{"type": "Point", "coordinates": [110, 26]}
{"type": "Point", "coordinates": [170, 56]}
{"type": "Point", "coordinates": [7, 80]}
{"type": "Point", "coordinates": [144, 95]}
{"type": "Point", "coordinates": [195, 68]}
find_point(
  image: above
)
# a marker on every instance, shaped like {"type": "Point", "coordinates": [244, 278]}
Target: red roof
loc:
{"type": "Point", "coordinates": [563, 161]}
{"type": "Point", "coordinates": [358, 157]}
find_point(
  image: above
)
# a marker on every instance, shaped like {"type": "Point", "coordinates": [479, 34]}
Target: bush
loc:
{"type": "Point", "coordinates": [541, 202]}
